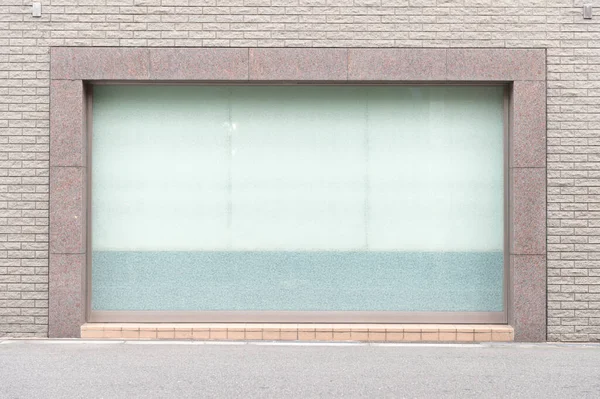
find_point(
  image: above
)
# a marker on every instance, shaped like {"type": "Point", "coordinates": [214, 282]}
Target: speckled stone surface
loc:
{"type": "Point", "coordinates": [529, 291]}
{"type": "Point", "coordinates": [298, 64]}
{"type": "Point", "coordinates": [528, 211]}
{"type": "Point", "coordinates": [102, 63]}
{"type": "Point", "coordinates": [199, 64]}
{"type": "Point", "coordinates": [66, 311]}
{"type": "Point", "coordinates": [529, 124]}
{"type": "Point", "coordinates": [496, 64]}
{"type": "Point", "coordinates": [397, 64]}
{"type": "Point", "coordinates": [67, 210]}
{"type": "Point", "coordinates": [67, 141]}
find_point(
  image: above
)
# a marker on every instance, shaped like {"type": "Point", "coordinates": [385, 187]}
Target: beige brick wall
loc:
{"type": "Point", "coordinates": [573, 48]}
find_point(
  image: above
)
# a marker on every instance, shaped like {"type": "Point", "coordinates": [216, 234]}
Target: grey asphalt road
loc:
{"type": "Point", "coordinates": [117, 369]}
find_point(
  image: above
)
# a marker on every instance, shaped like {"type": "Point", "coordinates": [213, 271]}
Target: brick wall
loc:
{"type": "Point", "coordinates": [573, 48]}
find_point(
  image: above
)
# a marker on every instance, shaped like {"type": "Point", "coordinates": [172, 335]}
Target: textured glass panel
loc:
{"type": "Point", "coordinates": [298, 169]}
{"type": "Point", "coordinates": [297, 198]}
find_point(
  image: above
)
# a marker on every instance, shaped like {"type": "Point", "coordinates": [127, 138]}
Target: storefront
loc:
{"type": "Point", "coordinates": [344, 186]}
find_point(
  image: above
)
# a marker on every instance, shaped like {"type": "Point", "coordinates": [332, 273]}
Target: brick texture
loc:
{"type": "Point", "coordinates": [573, 89]}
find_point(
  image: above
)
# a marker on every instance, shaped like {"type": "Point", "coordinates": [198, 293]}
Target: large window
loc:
{"type": "Point", "coordinates": [302, 198]}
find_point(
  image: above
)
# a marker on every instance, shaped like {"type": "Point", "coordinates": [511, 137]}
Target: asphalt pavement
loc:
{"type": "Point", "coordinates": [189, 369]}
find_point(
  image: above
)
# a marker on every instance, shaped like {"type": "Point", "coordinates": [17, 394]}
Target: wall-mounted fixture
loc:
{"type": "Point", "coordinates": [587, 11]}
{"type": "Point", "coordinates": [36, 9]}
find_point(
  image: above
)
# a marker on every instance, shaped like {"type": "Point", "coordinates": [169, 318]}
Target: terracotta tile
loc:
{"type": "Point", "coordinates": [323, 327]}
{"type": "Point", "coordinates": [394, 336]}
{"type": "Point", "coordinates": [501, 336]}
{"type": "Point", "coordinates": [447, 336]}
{"type": "Point", "coordinates": [237, 335]}
{"type": "Point", "coordinates": [412, 336]}
{"type": "Point", "coordinates": [342, 327]}
{"type": "Point", "coordinates": [270, 334]}
{"type": "Point", "coordinates": [430, 336]}
{"type": "Point", "coordinates": [254, 335]}
{"type": "Point", "coordinates": [92, 334]}
{"type": "Point", "coordinates": [218, 334]}
{"type": "Point", "coordinates": [288, 335]}
{"type": "Point", "coordinates": [341, 335]}
{"type": "Point", "coordinates": [359, 327]}
{"type": "Point", "coordinates": [377, 336]}
{"type": "Point", "coordinates": [465, 336]}
{"type": "Point", "coordinates": [131, 334]}
{"type": "Point", "coordinates": [112, 334]}
{"type": "Point", "coordinates": [307, 335]}
{"type": "Point", "coordinates": [129, 326]}
{"type": "Point", "coordinates": [359, 335]}
{"type": "Point", "coordinates": [148, 333]}
{"type": "Point", "coordinates": [183, 334]}
{"type": "Point", "coordinates": [395, 328]}
{"type": "Point", "coordinates": [201, 334]}
{"type": "Point", "coordinates": [168, 334]}
{"type": "Point", "coordinates": [212, 326]}
{"type": "Point", "coordinates": [483, 336]}
{"type": "Point", "coordinates": [324, 335]}
{"type": "Point", "coordinates": [230, 326]}
{"type": "Point", "coordinates": [167, 326]}
{"type": "Point", "coordinates": [501, 328]}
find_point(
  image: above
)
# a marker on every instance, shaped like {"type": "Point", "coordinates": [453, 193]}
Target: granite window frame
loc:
{"type": "Point", "coordinates": [522, 70]}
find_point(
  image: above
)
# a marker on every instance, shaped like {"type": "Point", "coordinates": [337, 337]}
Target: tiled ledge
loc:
{"type": "Point", "coordinates": [302, 332]}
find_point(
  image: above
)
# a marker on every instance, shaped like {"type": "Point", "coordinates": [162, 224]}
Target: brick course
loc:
{"type": "Point", "coordinates": [573, 108]}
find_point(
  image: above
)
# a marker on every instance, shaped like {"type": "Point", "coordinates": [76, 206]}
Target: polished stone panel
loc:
{"type": "Point", "coordinates": [67, 141]}
{"type": "Point", "coordinates": [529, 293]}
{"type": "Point", "coordinates": [67, 210]}
{"type": "Point", "coordinates": [298, 64]}
{"type": "Point", "coordinates": [496, 64]}
{"type": "Point", "coordinates": [529, 124]}
{"type": "Point", "coordinates": [98, 63]}
{"type": "Point", "coordinates": [528, 211]}
{"type": "Point", "coordinates": [397, 64]}
{"type": "Point", "coordinates": [198, 64]}
{"type": "Point", "coordinates": [67, 303]}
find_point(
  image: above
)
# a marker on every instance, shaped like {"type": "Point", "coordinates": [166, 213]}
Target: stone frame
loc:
{"type": "Point", "coordinates": [523, 69]}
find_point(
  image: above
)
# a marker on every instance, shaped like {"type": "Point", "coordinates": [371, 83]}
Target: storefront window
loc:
{"type": "Point", "coordinates": [298, 198]}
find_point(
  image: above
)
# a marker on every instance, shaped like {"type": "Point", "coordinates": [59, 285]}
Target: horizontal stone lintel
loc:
{"type": "Point", "coordinates": [298, 64]}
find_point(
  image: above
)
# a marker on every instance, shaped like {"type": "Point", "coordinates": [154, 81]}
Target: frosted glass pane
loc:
{"type": "Point", "coordinates": [159, 168]}
{"type": "Point", "coordinates": [298, 169]}
{"type": "Point", "coordinates": [297, 198]}
{"type": "Point", "coordinates": [436, 169]}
